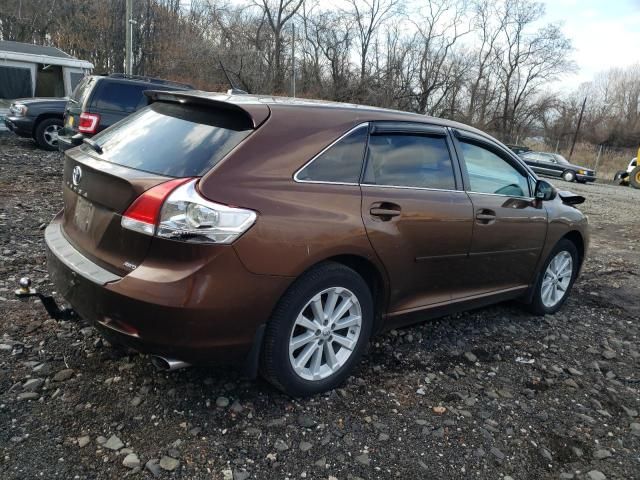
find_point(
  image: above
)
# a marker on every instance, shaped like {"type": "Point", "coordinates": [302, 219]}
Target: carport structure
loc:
{"type": "Point", "coordinates": [28, 70]}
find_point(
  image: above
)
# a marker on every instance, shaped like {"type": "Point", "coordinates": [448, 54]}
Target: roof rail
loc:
{"type": "Point", "coordinates": [159, 81]}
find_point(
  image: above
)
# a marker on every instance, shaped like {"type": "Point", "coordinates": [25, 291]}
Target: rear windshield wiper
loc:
{"type": "Point", "coordinates": [94, 146]}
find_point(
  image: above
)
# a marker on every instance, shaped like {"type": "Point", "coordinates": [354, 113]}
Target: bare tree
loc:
{"type": "Point", "coordinates": [439, 26]}
{"type": "Point", "coordinates": [527, 60]}
{"type": "Point", "coordinates": [278, 13]}
{"type": "Point", "coordinates": [368, 16]}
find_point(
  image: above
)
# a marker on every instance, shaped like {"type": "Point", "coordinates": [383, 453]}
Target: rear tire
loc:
{"type": "Point", "coordinates": [568, 176]}
{"type": "Point", "coordinates": [634, 178]}
{"type": "Point", "coordinates": [296, 358]}
{"type": "Point", "coordinates": [552, 290]}
{"type": "Point", "coordinates": [46, 133]}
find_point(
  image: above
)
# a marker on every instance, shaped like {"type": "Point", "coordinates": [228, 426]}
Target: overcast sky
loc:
{"type": "Point", "coordinates": [604, 33]}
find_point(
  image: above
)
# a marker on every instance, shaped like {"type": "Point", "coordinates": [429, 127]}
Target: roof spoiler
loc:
{"type": "Point", "coordinates": [254, 112]}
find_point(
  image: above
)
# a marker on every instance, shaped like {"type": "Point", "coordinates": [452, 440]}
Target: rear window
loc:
{"type": "Point", "coordinates": [121, 96]}
{"type": "Point", "coordinates": [172, 139]}
{"type": "Point", "coordinates": [83, 89]}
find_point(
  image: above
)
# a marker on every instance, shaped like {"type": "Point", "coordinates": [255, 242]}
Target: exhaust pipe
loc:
{"type": "Point", "coordinates": [162, 363]}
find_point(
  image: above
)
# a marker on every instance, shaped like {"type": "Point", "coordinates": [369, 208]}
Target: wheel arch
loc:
{"type": "Point", "coordinates": [373, 276]}
{"type": "Point", "coordinates": [575, 237]}
{"type": "Point", "coordinates": [46, 116]}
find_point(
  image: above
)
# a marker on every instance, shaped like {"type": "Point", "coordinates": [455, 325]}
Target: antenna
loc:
{"type": "Point", "coordinates": [233, 90]}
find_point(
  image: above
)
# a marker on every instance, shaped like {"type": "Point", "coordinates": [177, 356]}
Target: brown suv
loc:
{"type": "Point", "coordinates": [281, 234]}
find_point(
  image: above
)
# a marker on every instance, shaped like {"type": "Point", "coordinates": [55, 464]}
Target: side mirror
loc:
{"type": "Point", "coordinates": [545, 191]}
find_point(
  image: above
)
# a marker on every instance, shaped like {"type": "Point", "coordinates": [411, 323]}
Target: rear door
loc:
{"type": "Point", "coordinates": [509, 227]}
{"type": "Point", "coordinates": [417, 216]}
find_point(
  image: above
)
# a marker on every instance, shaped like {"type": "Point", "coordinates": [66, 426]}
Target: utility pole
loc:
{"type": "Point", "coordinates": [575, 135]}
{"type": "Point", "coordinates": [293, 60]}
{"type": "Point", "coordinates": [128, 64]}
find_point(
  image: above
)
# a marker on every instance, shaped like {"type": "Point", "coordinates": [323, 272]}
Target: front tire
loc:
{"type": "Point", "coordinates": [634, 177]}
{"type": "Point", "coordinates": [46, 133]}
{"type": "Point", "coordinates": [568, 176]}
{"type": "Point", "coordinates": [318, 331]}
{"type": "Point", "coordinates": [556, 278]}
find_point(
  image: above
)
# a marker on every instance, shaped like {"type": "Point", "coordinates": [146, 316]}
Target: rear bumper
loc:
{"type": "Point", "coordinates": [64, 143]}
{"type": "Point", "coordinates": [585, 178]}
{"type": "Point", "coordinates": [22, 126]}
{"type": "Point", "coordinates": [212, 315]}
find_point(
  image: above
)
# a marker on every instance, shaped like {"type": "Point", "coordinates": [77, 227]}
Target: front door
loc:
{"type": "Point", "coordinates": [509, 226]}
{"type": "Point", "coordinates": [417, 216]}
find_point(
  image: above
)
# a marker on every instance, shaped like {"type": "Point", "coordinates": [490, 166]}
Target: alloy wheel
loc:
{"type": "Point", "coordinates": [557, 278]}
{"type": "Point", "coordinates": [325, 333]}
{"type": "Point", "coordinates": [51, 135]}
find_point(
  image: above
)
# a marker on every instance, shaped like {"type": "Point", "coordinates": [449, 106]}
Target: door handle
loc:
{"type": "Point", "coordinates": [486, 216]}
{"type": "Point", "coordinates": [385, 210]}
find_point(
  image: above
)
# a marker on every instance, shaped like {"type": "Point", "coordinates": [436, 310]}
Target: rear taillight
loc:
{"type": "Point", "coordinates": [143, 214]}
{"type": "Point", "coordinates": [88, 123]}
{"type": "Point", "coordinates": [175, 210]}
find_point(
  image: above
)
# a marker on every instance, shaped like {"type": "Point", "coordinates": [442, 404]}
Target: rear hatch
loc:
{"type": "Point", "coordinates": [159, 143]}
{"type": "Point", "coordinates": [76, 104]}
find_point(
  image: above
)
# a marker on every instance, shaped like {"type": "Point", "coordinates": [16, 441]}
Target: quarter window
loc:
{"type": "Point", "coordinates": [340, 163]}
{"type": "Point", "coordinates": [409, 161]}
{"type": "Point", "coordinates": [489, 173]}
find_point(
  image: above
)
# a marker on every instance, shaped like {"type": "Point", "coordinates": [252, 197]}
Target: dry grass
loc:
{"type": "Point", "coordinates": [585, 154]}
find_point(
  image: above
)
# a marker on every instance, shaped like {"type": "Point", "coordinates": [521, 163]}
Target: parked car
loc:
{"type": "Point", "coordinates": [281, 234]}
{"type": "Point", "coordinates": [555, 165]}
{"type": "Point", "coordinates": [37, 118]}
{"type": "Point", "coordinates": [518, 149]}
{"type": "Point", "coordinates": [100, 101]}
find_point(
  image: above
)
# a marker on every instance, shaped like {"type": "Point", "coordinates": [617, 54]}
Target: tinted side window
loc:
{"type": "Point", "coordinates": [342, 162]}
{"type": "Point", "coordinates": [489, 173]}
{"type": "Point", "coordinates": [409, 161]}
{"type": "Point", "coordinates": [121, 96]}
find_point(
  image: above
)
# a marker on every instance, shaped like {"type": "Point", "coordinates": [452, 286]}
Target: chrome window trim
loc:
{"type": "Point", "coordinates": [501, 195]}
{"type": "Point", "coordinates": [404, 187]}
{"type": "Point", "coordinates": [323, 182]}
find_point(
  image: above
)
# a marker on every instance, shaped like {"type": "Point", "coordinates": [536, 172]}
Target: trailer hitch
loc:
{"type": "Point", "coordinates": [48, 302]}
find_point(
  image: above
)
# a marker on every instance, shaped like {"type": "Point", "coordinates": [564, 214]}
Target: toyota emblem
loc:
{"type": "Point", "coordinates": [76, 176]}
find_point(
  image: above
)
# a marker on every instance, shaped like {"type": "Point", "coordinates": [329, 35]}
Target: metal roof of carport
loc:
{"type": "Point", "coordinates": [27, 52]}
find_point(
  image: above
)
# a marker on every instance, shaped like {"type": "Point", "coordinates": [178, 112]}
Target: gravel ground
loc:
{"type": "Point", "coordinates": [494, 393]}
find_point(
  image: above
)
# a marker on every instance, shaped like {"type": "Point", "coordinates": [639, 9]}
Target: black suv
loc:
{"type": "Point", "coordinates": [100, 101]}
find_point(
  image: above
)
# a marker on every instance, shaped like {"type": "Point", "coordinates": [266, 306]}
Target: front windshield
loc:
{"type": "Point", "coordinates": [561, 159]}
